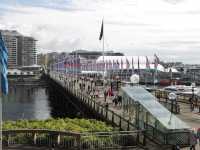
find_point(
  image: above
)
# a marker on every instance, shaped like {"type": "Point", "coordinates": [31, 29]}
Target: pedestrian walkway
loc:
{"type": "Point", "coordinates": [97, 92]}
{"type": "Point", "coordinates": [192, 118]}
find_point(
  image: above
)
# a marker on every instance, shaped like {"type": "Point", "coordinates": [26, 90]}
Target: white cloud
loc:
{"type": "Point", "coordinates": [141, 27]}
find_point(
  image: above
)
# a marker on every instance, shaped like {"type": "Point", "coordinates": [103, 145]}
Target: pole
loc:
{"type": "Point", "coordinates": [103, 52]}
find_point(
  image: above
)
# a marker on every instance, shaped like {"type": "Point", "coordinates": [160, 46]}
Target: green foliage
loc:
{"type": "Point", "coordinates": [67, 124]}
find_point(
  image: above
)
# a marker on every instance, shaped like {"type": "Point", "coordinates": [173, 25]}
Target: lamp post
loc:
{"type": "Point", "coordinates": [172, 96]}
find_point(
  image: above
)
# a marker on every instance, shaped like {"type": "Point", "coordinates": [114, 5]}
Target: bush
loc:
{"type": "Point", "coordinates": [67, 124]}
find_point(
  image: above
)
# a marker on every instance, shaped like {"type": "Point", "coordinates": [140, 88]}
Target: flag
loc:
{"type": "Point", "coordinates": [114, 65]}
{"type": "Point", "coordinates": [138, 65]}
{"type": "Point", "coordinates": [170, 72]}
{"type": "Point", "coordinates": [127, 64]}
{"type": "Point", "coordinates": [107, 65]}
{"type": "Point", "coordinates": [117, 64]}
{"type": "Point", "coordinates": [121, 64]}
{"type": "Point", "coordinates": [110, 65]}
{"type": "Point", "coordinates": [3, 66]}
{"type": "Point", "coordinates": [156, 61]}
{"type": "Point", "coordinates": [147, 63]}
{"type": "Point", "coordinates": [132, 66]}
{"type": "Point", "coordinates": [101, 33]}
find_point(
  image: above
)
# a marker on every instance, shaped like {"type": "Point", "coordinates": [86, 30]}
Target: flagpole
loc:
{"type": "Point", "coordinates": [103, 51]}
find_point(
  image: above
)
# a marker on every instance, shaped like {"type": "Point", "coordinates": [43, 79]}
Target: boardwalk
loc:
{"type": "Point", "coordinates": [191, 118]}
{"type": "Point", "coordinates": [96, 93]}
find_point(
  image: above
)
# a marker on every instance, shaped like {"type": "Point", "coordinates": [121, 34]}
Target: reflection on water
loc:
{"type": "Point", "coordinates": [26, 102]}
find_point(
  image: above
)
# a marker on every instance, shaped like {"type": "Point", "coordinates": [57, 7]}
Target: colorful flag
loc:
{"type": "Point", "coordinates": [101, 33]}
{"type": "Point", "coordinates": [147, 63]}
{"type": "Point", "coordinates": [3, 66]}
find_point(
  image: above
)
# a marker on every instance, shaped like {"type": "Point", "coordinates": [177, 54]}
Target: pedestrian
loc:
{"type": "Point", "coordinates": [119, 97]}
{"type": "Point", "coordinates": [93, 93]}
{"type": "Point", "coordinates": [105, 95]}
{"type": "Point", "coordinates": [106, 106]}
{"type": "Point", "coordinates": [191, 104]}
{"type": "Point", "coordinates": [198, 135]}
{"type": "Point", "coordinates": [193, 141]}
{"type": "Point", "coordinates": [115, 101]}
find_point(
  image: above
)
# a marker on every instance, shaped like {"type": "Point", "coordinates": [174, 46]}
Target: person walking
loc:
{"type": "Point", "coordinates": [105, 95]}
{"type": "Point", "coordinates": [193, 141]}
{"type": "Point", "coordinates": [198, 135]}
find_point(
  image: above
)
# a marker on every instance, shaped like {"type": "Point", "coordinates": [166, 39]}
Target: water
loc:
{"type": "Point", "coordinates": [26, 102]}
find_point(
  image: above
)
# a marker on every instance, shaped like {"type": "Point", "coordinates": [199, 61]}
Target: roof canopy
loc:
{"type": "Point", "coordinates": [151, 104]}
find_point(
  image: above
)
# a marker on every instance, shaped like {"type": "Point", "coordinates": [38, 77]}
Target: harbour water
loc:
{"type": "Point", "coordinates": [26, 102]}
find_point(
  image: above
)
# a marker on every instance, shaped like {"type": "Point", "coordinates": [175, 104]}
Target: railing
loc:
{"type": "Point", "coordinates": [108, 114]}
{"type": "Point", "coordinates": [171, 106]}
{"type": "Point", "coordinates": [71, 140]}
{"type": "Point", "coordinates": [194, 100]}
{"type": "Point", "coordinates": [168, 138]}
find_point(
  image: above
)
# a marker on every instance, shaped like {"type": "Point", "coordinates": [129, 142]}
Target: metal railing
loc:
{"type": "Point", "coordinates": [71, 140]}
{"type": "Point", "coordinates": [193, 100]}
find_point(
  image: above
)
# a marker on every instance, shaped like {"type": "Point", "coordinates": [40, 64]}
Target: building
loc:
{"type": "Point", "coordinates": [29, 51]}
{"type": "Point", "coordinates": [47, 59]}
{"type": "Point", "coordinates": [21, 49]}
{"type": "Point", "coordinates": [94, 54]}
{"type": "Point", "coordinates": [11, 42]}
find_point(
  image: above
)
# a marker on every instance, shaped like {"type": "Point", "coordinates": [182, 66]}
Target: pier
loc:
{"type": "Point", "coordinates": [138, 117]}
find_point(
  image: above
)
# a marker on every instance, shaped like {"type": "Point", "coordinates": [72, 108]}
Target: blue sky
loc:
{"type": "Point", "coordinates": [169, 28]}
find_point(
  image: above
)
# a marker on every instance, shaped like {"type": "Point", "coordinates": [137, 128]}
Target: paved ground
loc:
{"type": "Point", "coordinates": [192, 118]}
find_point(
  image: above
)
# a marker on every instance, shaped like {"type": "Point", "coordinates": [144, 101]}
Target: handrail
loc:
{"type": "Point", "coordinates": [68, 133]}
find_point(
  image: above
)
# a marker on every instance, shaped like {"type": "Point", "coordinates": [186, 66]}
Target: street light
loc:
{"type": "Point", "coordinates": [172, 96]}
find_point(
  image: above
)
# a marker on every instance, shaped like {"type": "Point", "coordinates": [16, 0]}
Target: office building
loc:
{"type": "Point", "coordinates": [21, 49]}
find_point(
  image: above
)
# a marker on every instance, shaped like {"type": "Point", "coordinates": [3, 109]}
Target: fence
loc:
{"type": "Point", "coordinates": [193, 100]}
{"type": "Point", "coordinates": [71, 140]}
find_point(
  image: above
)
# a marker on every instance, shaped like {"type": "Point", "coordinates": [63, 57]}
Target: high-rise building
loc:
{"type": "Point", "coordinates": [21, 49]}
{"type": "Point", "coordinates": [11, 42]}
{"type": "Point", "coordinates": [29, 51]}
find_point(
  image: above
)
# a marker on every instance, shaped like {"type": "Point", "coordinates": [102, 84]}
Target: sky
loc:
{"type": "Point", "coordinates": [168, 28]}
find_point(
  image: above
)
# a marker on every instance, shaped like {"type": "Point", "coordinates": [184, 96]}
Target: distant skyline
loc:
{"type": "Point", "coordinates": [169, 28]}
